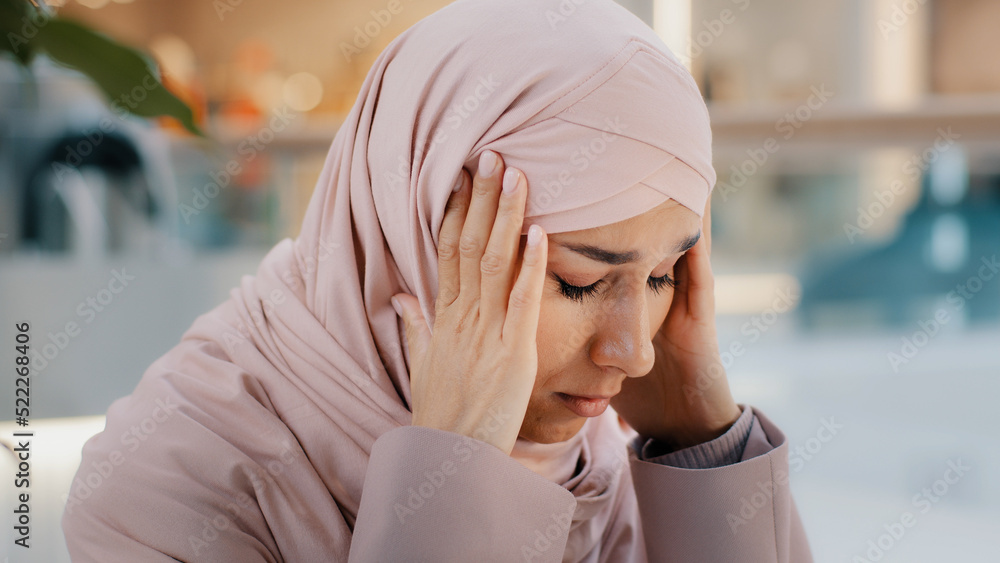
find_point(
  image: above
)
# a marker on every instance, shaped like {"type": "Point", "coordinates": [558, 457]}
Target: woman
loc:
{"type": "Point", "coordinates": [304, 420]}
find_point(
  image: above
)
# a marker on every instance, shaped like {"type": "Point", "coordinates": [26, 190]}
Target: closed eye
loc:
{"type": "Point", "coordinates": [577, 293]}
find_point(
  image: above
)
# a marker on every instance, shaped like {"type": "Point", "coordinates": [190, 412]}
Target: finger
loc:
{"type": "Point", "coordinates": [706, 227]}
{"type": "Point", "coordinates": [479, 223]}
{"type": "Point", "coordinates": [692, 283]}
{"type": "Point", "coordinates": [500, 257]}
{"type": "Point", "coordinates": [700, 282]}
{"type": "Point", "coordinates": [526, 297]}
{"type": "Point", "coordinates": [418, 334]}
{"type": "Point", "coordinates": [448, 241]}
{"type": "Point", "coordinates": [679, 301]}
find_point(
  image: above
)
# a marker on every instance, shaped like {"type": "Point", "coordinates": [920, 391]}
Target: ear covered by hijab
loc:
{"type": "Point", "coordinates": [307, 358]}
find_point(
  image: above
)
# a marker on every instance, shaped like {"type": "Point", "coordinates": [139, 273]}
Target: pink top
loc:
{"type": "Point", "coordinates": [278, 428]}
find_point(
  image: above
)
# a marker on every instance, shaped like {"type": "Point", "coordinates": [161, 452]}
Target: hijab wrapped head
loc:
{"type": "Point", "coordinates": [585, 99]}
{"type": "Point", "coordinates": [309, 359]}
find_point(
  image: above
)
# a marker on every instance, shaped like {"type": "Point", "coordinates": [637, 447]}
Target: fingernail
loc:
{"type": "Point", "coordinates": [534, 235]}
{"type": "Point", "coordinates": [458, 184]}
{"type": "Point", "coordinates": [396, 306]}
{"type": "Point", "coordinates": [487, 163]}
{"type": "Point", "coordinates": [510, 178]}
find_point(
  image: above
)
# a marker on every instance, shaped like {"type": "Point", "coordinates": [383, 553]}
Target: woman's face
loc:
{"type": "Point", "coordinates": [590, 340]}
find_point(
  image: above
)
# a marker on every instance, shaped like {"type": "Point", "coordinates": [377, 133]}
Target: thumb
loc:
{"type": "Point", "coordinates": [418, 335]}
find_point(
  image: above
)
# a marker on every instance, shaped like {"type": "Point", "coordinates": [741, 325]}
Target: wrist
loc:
{"type": "Point", "coordinates": [703, 430]}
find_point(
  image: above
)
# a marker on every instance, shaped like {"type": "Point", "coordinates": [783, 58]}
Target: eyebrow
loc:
{"type": "Point", "coordinates": [618, 258]}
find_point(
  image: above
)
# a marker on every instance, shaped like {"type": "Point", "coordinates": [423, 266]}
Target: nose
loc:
{"type": "Point", "coordinates": [622, 339]}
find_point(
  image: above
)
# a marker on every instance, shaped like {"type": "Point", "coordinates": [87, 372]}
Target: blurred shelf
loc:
{"type": "Point", "coordinates": [975, 118]}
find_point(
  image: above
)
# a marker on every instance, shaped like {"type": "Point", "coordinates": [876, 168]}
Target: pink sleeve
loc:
{"type": "Point", "coordinates": [432, 495]}
{"type": "Point", "coordinates": [161, 500]}
{"type": "Point", "coordinates": [724, 450]}
{"type": "Point", "coordinates": [738, 512]}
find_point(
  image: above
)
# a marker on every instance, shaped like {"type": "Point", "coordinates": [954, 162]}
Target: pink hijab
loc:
{"type": "Point", "coordinates": [290, 381]}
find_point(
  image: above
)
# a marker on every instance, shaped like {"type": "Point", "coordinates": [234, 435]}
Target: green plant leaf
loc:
{"type": "Point", "coordinates": [19, 25]}
{"type": "Point", "coordinates": [128, 77]}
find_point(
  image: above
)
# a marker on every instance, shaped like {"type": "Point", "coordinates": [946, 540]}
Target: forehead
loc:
{"type": "Point", "coordinates": [670, 217]}
{"type": "Point", "coordinates": [657, 232]}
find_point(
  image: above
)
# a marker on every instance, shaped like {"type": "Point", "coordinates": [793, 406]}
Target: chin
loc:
{"type": "Point", "coordinates": [545, 431]}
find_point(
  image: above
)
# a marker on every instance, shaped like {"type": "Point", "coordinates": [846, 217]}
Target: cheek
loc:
{"type": "Point", "coordinates": [547, 341]}
{"type": "Point", "coordinates": [659, 306]}
{"type": "Point", "coordinates": [559, 338]}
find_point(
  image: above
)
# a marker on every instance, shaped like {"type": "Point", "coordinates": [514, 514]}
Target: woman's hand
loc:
{"type": "Point", "coordinates": [474, 374]}
{"type": "Point", "coordinates": [685, 399]}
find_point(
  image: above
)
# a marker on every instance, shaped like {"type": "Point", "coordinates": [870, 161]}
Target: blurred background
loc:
{"type": "Point", "coordinates": [856, 229]}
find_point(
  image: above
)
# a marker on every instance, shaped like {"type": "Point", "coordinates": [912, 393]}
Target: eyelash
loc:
{"type": "Point", "coordinates": [577, 293]}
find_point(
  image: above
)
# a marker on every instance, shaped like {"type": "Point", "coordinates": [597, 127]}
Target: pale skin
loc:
{"type": "Point", "coordinates": [509, 336]}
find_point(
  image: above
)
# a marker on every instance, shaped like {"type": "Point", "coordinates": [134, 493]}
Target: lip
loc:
{"type": "Point", "coordinates": [586, 406]}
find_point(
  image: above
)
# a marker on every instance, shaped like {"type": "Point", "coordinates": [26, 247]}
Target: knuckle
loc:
{"type": "Point", "coordinates": [509, 212]}
{"type": "Point", "coordinates": [491, 263]}
{"type": "Point", "coordinates": [447, 248]}
{"type": "Point", "coordinates": [468, 246]}
{"type": "Point", "coordinates": [482, 187]}
{"type": "Point", "coordinates": [462, 320]}
{"type": "Point", "coordinates": [520, 299]}
{"type": "Point", "coordinates": [444, 300]}
{"type": "Point", "coordinates": [454, 204]}
{"type": "Point", "coordinates": [454, 207]}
